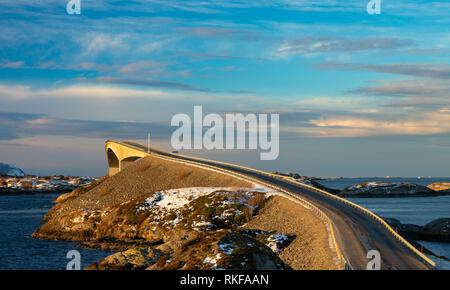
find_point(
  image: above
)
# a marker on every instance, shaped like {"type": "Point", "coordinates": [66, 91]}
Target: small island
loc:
{"type": "Point", "coordinates": [389, 189]}
{"type": "Point", "coordinates": [374, 188]}
{"type": "Point", "coordinates": [13, 180]}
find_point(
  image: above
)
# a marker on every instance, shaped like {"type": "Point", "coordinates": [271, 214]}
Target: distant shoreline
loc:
{"type": "Point", "coordinates": [30, 184]}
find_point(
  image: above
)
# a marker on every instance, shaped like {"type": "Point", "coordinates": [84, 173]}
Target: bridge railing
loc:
{"type": "Point", "coordinates": [319, 212]}
{"type": "Point", "coordinates": [342, 261]}
{"type": "Point", "coordinates": [343, 201]}
{"type": "Point", "coordinates": [375, 217]}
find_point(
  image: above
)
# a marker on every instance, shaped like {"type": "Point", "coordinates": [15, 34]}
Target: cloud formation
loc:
{"type": "Point", "coordinates": [425, 69]}
{"type": "Point", "coordinates": [19, 125]}
{"type": "Point", "coordinates": [317, 45]}
{"type": "Point", "coordinates": [148, 83]}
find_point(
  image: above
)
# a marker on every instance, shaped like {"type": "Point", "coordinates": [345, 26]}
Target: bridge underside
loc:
{"type": "Point", "coordinates": [120, 156]}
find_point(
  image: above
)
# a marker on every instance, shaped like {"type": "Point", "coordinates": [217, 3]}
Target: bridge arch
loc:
{"type": "Point", "coordinates": [113, 162]}
{"type": "Point", "coordinates": [120, 156]}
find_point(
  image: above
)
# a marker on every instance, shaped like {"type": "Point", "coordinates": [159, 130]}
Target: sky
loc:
{"type": "Point", "coordinates": [358, 94]}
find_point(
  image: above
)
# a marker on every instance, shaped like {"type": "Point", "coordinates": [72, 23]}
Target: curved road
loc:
{"type": "Point", "coordinates": [356, 233]}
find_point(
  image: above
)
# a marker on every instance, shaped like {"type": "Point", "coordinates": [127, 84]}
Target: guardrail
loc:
{"type": "Point", "coordinates": [315, 209]}
{"type": "Point", "coordinates": [319, 212]}
{"type": "Point", "coordinates": [370, 214]}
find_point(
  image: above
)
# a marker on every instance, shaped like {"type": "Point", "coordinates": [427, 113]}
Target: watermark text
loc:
{"type": "Point", "coordinates": [228, 133]}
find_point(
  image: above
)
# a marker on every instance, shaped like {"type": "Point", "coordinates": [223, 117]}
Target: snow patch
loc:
{"type": "Point", "coordinates": [174, 199]}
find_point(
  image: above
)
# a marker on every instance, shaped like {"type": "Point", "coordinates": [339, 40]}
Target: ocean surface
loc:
{"type": "Point", "coordinates": [411, 210]}
{"type": "Point", "coordinates": [20, 216]}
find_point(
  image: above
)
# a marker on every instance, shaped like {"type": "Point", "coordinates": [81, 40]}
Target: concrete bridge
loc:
{"type": "Point", "coordinates": [120, 156]}
{"type": "Point", "coordinates": [347, 221]}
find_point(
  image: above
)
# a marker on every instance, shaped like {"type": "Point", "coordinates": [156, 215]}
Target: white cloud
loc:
{"type": "Point", "coordinates": [11, 64]}
{"type": "Point", "coordinates": [429, 123]}
{"type": "Point", "coordinates": [79, 91]}
{"type": "Point", "coordinates": [104, 42]}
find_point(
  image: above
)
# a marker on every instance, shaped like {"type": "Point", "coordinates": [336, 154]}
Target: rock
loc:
{"type": "Point", "coordinates": [408, 230]}
{"type": "Point", "coordinates": [219, 250]}
{"type": "Point", "coordinates": [438, 230]}
{"type": "Point", "coordinates": [132, 259]}
{"type": "Point", "coordinates": [324, 188]}
{"type": "Point", "coordinates": [240, 251]}
{"type": "Point", "coordinates": [276, 241]}
{"type": "Point", "coordinates": [387, 189]}
{"type": "Point", "coordinates": [440, 186]}
{"type": "Point", "coordinates": [10, 170]}
{"type": "Point", "coordinates": [179, 228]}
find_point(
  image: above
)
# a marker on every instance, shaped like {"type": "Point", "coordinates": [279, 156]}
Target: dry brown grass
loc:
{"type": "Point", "coordinates": [80, 190]}
{"type": "Point", "coordinates": [254, 204]}
{"type": "Point", "coordinates": [104, 191]}
{"type": "Point", "coordinates": [183, 174]}
{"type": "Point", "coordinates": [149, 175]}
{"type": "Point", "coordinates": [310, 249]}
{"type": "Point", "coordinates": [142, 168]}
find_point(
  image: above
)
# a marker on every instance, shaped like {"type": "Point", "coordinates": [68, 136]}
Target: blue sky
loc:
{"type": "Point", "coordinates": [357, 94]}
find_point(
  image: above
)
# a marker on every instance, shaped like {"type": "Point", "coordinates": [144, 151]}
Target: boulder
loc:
{"type": "Point", "coordinates": [220, 250]}
{"type": "Point", "coordinates": [438, 230]}
{"type": "Point", "coordinates": [435, 231]}
{"type": "Point", "coordinates": [409, 231]}
{"type": "Point", "coordinates": [132, 259]}
{"type": "Point", "coordinates": [316, 184]}
{"type": "Point", "coordinates": [440, 186]}
{"type": "Point", "coordinates": [387, 189]}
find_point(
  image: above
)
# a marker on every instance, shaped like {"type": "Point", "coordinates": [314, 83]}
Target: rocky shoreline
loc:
{"type": "Point", "coordinates": [435, 231]}
{"type": "Point", "coordinates": [200, 232]}
{"type": "Point", "coordinates": [160, 215]}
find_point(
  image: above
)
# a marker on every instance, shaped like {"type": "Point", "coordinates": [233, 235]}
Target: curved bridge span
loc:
{"type": "Point", "coordinates": [120, 156]}
{"type": "Point", "coordinates": [354, 230]}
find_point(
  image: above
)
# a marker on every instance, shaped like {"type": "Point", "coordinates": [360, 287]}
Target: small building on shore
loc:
{"type": "Point", "coordinates": [12, 183]}
{"type": "Point", "coordinates": [26, 184]}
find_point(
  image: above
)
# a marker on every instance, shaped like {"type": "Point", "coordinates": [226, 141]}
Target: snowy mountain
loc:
{"type": "Point", "coordinates": [8, 169]}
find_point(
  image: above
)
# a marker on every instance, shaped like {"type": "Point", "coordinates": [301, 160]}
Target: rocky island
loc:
{"type": "Point", "coordinates": [441, 187]}
{"type": "Point", "coordinates": [435, 231]}
{"type": "Point", "coordinates": [387, 189]}
{"type": "Point", "coordinates": [30, 184]}
{"type": "Point", "coordinates": [375, 188]}
{"type": "Point", "coordinates": [158, 214]}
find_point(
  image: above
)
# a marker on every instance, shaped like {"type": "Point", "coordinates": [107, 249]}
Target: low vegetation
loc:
{"type": "Point", "coordinates": [165, 215]}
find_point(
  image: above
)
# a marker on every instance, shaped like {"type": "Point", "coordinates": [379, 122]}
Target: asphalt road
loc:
{"type": "Point", "coordinates": [356, 233]}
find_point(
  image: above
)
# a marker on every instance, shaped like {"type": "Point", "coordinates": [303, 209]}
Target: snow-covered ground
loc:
{"type": "Point", "coordinates": [275, 241]}
{"type": "Point", "coordinates": [174, 199]}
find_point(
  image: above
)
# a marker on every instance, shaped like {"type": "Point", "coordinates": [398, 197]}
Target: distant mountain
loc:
{"type": "Point", "coordinates": [8, 169]}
